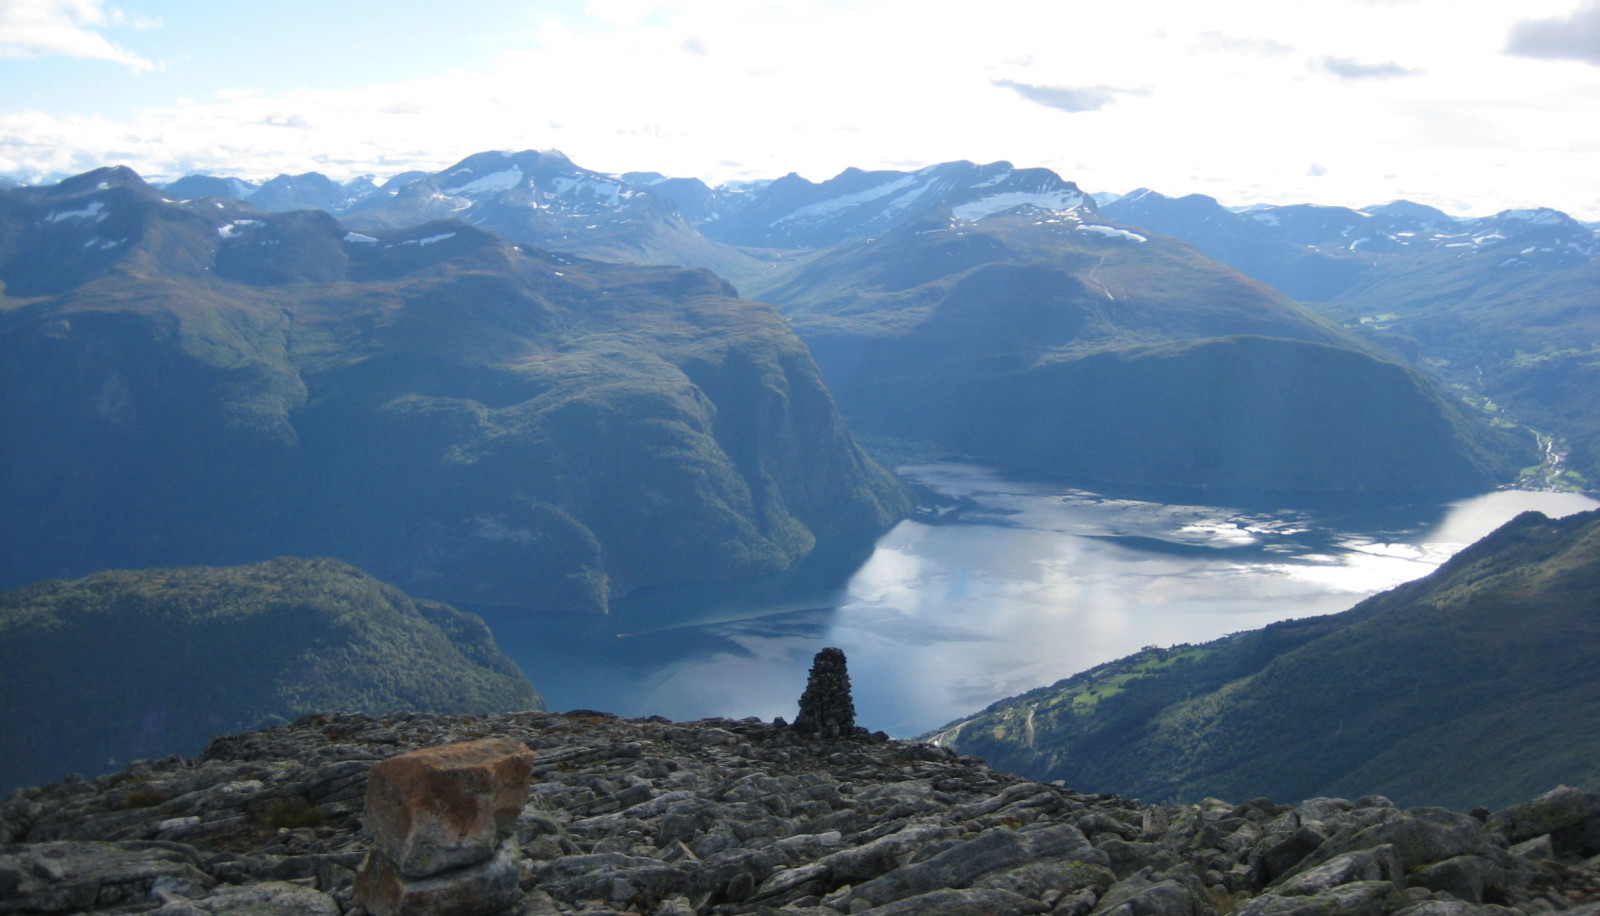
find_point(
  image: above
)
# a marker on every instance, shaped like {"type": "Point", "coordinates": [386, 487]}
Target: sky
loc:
{"type": "Point", "coordinates": [1473, 106]}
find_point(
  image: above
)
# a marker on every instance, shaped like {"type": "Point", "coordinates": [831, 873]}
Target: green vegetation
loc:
{"type": "Point", "coordinates": [138, 664]}
{"type": "Point", "coordinates": [1475, 685]}
{"type": "Point", "coordinates": [1033, 344]}
{"type": "Point", "coordinates": [471, 420]}
{"type": "Point", "coordinates": [1524, 338]}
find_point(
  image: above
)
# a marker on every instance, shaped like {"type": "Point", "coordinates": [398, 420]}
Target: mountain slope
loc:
{"type": "Point", "coordinates": [145, 663]}
{"type": "Point", "coordinates": [471, 420]}
{"type": "Point", "coordinates": [1502, 307]}
{"type": "Point", "coordinates": [1465, 687]}
{"type": "Point", "coordinates": [792, 212]}
{"type": "Point", "coordinates": [1055, 341]}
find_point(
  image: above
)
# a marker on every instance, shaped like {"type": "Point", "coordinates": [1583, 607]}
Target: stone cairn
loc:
{"type": "Point", "coordinates": [442, 820]}
{"type": "Point", "coordinates": [826, 709]}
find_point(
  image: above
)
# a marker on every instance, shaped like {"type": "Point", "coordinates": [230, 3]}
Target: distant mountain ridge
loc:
{"type": "Point", "coordinates": [543, 198]}
{"type": "Point", "coordinates": [795, 212]}
{"type": "Point", "coordinates": [1319, 253]}
{"type": "Point", "coordinates": [1461, 688]}
{"type": "Point", "coordinates": [1502, 308]}
{"type": "Point", "coordinates": [1401, 273]}
{"type": "Point", "coordinates": [863, 319]}
{"type": "Point", "coordinates": [1062, 343]}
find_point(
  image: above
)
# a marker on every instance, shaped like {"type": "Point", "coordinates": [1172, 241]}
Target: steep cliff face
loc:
{"type": "Point", "coordinates": [124, 665]}
{"type": "Point", "coordinates": [471, 420]}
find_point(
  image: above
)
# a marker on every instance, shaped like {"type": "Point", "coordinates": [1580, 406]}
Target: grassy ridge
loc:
{"type": "Point", "coordinates": [1474, 685]}
{"type": "Point", "coordinates": [143, 663]}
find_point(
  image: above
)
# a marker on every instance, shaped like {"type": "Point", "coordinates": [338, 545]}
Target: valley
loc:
{"type": "Point", "coordinates": [1018, 582]}
{"type": "Point", "coordinates": [615, 414]}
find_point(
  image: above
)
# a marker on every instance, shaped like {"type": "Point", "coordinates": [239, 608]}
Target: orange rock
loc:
{"type": "Point", "coordinates": [447, 807]}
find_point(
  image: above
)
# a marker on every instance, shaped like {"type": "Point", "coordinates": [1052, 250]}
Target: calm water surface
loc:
{"type": "Point", "coordinates": [1017, 585]}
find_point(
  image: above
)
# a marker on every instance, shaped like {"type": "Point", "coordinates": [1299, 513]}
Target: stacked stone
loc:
{"type": "Point", "coordinates": [442, 821]}
{"type": "Point", "coordinates": [826, 708]}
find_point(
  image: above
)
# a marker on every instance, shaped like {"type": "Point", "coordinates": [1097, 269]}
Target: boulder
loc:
{"type": "Point", "coordinates": [268, 897]}
{"type": "Point", "coordinates": [474, 890]}
{"type": "Point", "coordinates": [1143, 895]}
{"type": "Point", "coordinates": [963, 902]}
{"type": "Point", "coordinates": [1571, 817]}
{"type": "Point", "coordinates": [445, 807]}
{"type": "Point", "coordinates": [70, 877]}
{"type": "Point", "coordinates": [1361, 898]}
{"type": "Point", "coordinates": [1469, 878]}
{"type": "Point", "coordinates": [1381, 863]}
{"type": "Point", "coordinates": [443, 821]}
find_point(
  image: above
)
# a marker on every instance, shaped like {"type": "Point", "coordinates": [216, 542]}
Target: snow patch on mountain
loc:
{"type": "Point", "coordinates": [608, 191]}
{"type": "Point", "coordinates": [844, 202]}
{"type": "Point", "coordinates": [1111, 232]}
{"type": "Point", "coordinates": [96, 210]}
{"type": "Point", "coordinates": [228, 230]}
{"type": "Point", "coordinates": [1000, 203]}
{"type": "Point", "coordinates": [429, 240]}
{"type": "Point", "coordinates": [1543, 216]}
{"type": "Point", "coordinates": [494, 181]}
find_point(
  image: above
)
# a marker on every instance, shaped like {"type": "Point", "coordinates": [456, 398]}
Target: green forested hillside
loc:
{"type": "Point", "coordinates": [469, 419]}
{"type": "Point", "coordinates": [1478, 684]}
{"type": "Point", "coordinates": [1501, 308]}
{"type": "Point", "coordinates": [1063, 345]}
{"type": "Point", "coordinates": [143, 663]}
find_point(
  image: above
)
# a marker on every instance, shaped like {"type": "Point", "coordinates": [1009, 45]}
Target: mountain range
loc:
{"type": "Point", "coordinates": [1501, 309]}
{"type": "Point", "coordinates": [1054, 341]}
{"type": "Point", "coordinates": [764, 235]}
{"type": "Point", "coordinates": [470, 419]}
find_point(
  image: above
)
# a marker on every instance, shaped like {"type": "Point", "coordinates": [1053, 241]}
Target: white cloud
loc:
{"type": "Point", "coordinates": [1351, 69]}
{"type": "Point", "coordinates": [65, 28]}
{"type": "Point", "coordinates": [1067, 98]}
{"type": "Point", "coordinates": [1231, 101]}
{"type": "Point", "coordinates": [1572, 37]}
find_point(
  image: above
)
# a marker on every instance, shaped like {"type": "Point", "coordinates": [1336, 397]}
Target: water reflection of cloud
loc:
{"type": "Point", "coordinates": [1037, 584]}
{"type": "Point", "coordinates": [907, 631]}
{"type": "Point", "coordinates": [1471, 519]}
{"type": "Point", "coordinates": [765, 680]}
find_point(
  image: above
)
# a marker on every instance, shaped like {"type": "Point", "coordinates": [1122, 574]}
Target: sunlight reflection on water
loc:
{"type": "Point", "coordinates": [1027, 584]}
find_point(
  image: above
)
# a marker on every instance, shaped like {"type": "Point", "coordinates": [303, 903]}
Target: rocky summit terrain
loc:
{"type": "Point", "coordinates": [730, 817]}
